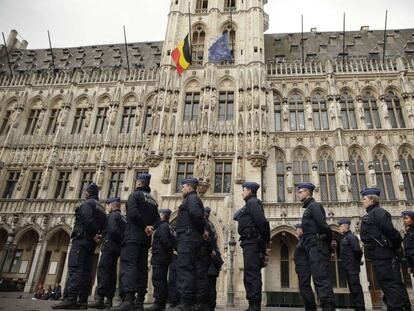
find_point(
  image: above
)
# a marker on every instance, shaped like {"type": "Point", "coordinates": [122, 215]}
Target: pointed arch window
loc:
{"type": "Point", "coordinates": [32, 121]}
{"type": "Point", "coordinates": [232, 38]}
{"type": "Point", "coordinates": [394, 110]}
{"type": "Point", "coordinates": [371, 113]}
{"type": "Point", "coordinates": [407, 170]}
{"type": "Point", "coordinates": [327, 178]}
{"type": "Point", "coordinates": [229, 5]}
{"type": "Point", "coordinates": [277, 104]}
{"type": "Point", "coordinates": [79, 120]}
{"type": "Point", "coordinates": [53, 121]}
{"type": "Point", "coordinates": [301, 169]}
{"type": "Point", "coordinates": [384, 177]}
{"type": "Point", "coordinates": [297, 115]}
{"type": "Point", "coordinates": [148, 120]}
{"type": "Point", "coordinates": [128, 119]}
{"type": "Point", "coordinates": [197, 45]}
{"type": "Point", "coordinates": [347, 111]}
{"type": "Point", "coordinates": [226, 105]}
{"type": "Point", "coordinates": [284, 266]}
{"type": "Point", "coordinates": [320, 112]}
{"type": "Point", "coordinates": [191, 106]}
{"type": "Point", "coordinates": [358, 177]}
{"type": "Point", "coordinates": [5, 125]}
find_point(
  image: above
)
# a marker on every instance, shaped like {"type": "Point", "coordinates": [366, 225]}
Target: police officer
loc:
{"type": "Point", "coordinates": [409, 239]}
{"type": "Point", "coordinates": [317, 238]}
{"type": "Point", "coordinates": [351, 254]}
{"type": "Point", "coordinates": [382, 243]}
{"type": "Point", "coordinates": [215, 259]}
{"type": "Point", "coordinates": [304, 274]}
{"type": "Point", "coordinates": [90, 221]}
{"type": "Point", "coordinates": [142, 218]}
{"type": "Point", "coordinates": [163, 245]}
{"type": "Point", "coordinates": [111, 249]}
{"type": "Point", "coordinates": [192, 280]}
{"type": "Point", "coordinates": [254, 232]}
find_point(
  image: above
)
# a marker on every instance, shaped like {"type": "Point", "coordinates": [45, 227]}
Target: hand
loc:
{"type": "Point", "coordinates": [98, 238]}
{"type": "Point", "coordinates": [410, 271]}
{"type": "Point", "coordinates": [213, 253]}
{"type": "Point", "coordinates": [175, 252]}
{"type": "Point", "coordinates": [268, 252]}
{"type": "Point", "coordinates": [149, 230]}
{"type": "Point", "coordinates": [334, 244]}
{"type": "Point", "coordinates": [205, 235]}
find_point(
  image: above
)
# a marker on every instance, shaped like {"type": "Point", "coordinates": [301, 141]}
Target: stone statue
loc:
{"type": "Point", "coordinates": [400, 177]}
{"type": "Point", "coordinates": [332, 110]}
{"type": "Point", "coordinates": [256, 143]}
{"type": "Point", "coordinates": [230, 145]}
{"type": "Point", "coordinates": [285, 112]}
{"type": "Point", "coordinates": [309, 111]}
{"type": "Point", "coordinates": [372, 176]}
{"type": "Point", "coordinates": [384, 108]}
{"type": "Point", "coordinates": [315, 176]}
{"type": "Point", "coordinates": [239, 169]}
{"type": "Point", "coordinates": [341, 178]}
{"type": "Point", "coordinates": [15, 117]}
{"type": "Point", "coordinates": [289, 179]}
{"type": "Point", "coordinates": [88, 116]}
{"type": "Point", "coordinates": [62, 117]}
{"type": "Point", "coordinates": [112, 115]}
{"type": "Point", "coordinates": [179, 143]}
{"type": "Point", "coordinates": [348, 177]}
{"type": "Point", "coordinates": [167, 168]}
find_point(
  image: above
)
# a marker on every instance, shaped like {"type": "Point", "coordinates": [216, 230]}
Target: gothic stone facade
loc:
{"type": "Point", "coordinates": [340, 120]}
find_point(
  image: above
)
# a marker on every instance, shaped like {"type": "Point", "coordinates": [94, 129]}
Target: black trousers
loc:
{"type": "Point", "coordinates": [160, 282]}
{"type": "Point", "coordinates": [319, 267]}
{"type": "Point", "coordinates": [389, 279]}
{"type": "Point", "coordinates": [252, 275]}
{"type": "Point", "coordinates": [192, 268]}
{"type": "Point", "coordinates": [107, 272]}
{"type": "Point", "coordinates": [355, 288]}
{"type": "Point", "coordinates": [212, 282]}
{"type": "Point", "coordinates": [173, 296]}
{"type": "Point", "coordinates": [80, 263]}
{"type": "Point", "coordinates": [305, 288]}
{"type": "Point", "coordinates": [133, 276]}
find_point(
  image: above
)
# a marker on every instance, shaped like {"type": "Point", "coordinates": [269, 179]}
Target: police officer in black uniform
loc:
{"type": "Point", "coordinates": [90, 221]}
{"type": "Point", "coordinates": [317, 237]}
{"type": "Point", "coordinates": [304, 274]}
{"type": "Point", "coordinates": [215, 259]}
{"type": "Point", "coordinates": [110, 251]}
{"type": "Point", "coordinates": [409, 239]}
{"type": "Point", "coordinates": [254, 232]}
{"type": "Point", "coordinates": [192, 280]}
{"type": "Point", "coordinates": [351, 254]}
{"type": "Point", "coordinates": [382, 245]}
{"type": "Point", "coordinates": [142, 218]}
{"type": "Point", "coordinates": [163, 245]}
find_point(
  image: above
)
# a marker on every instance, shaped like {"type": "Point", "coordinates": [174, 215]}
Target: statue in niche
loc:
{"type": "Point", "coordinates": [198, 143]}
{"type": "Point", "coordinates": [40, 118]}
{"type": "Point", "coordinates": [360, 107]}
{"type": "Point", "coordinates": [249, 100]}
{"type": "Point", "coordinates": [78, 155]}
{"type": "Point", "coordinates": [100, 177]}
{"type": "Point", "coordinates": [315, 176]}
{"type": "Point", "coordinates": [21, 179]}
{"type": "Point", "coordinates": [400, 177]}
{"type": "Point", "coordinates": [239, 169]}
{"type": "Point", "coordinates": [169, 145]}
{"type": "Point", "coordinates": [124, 155]}
{"type": "Point", "coordinates": [98, 154]}
{"type": "Point", "coordinates": [112, 155]}
{"type": "Point", "coordinates": [47, 178]}
{"type": "Point", "coordinates": [88, 116]}
{"type": "Point", "coordinates": [285, 112]}
{"type": "Point", "coordinates": [112, 115]}
{"type": "Point", "coordinates": [137, 158]}
{"type": "Point", "coordinates": [309, 111]}
{"type": "Point", "coordinates": [206, 169]}
{"type": "Point", "coordinates": [332, 110]}
{"type": "Point", "coordinates": [289, 179]}
{"type": "Point", "coordinates": [180, 143]}
{"type": "Point", "coordinates": [192, 143]}
{"type": "Point", "coordinates": [213, 100]}
{"type": "Point", "coordinates": [216, 144]}
{"type": "Point", "coordinates": [256, 144]}
{"type": "Point", "coordinates": [240, 142]}
{"type": "Point", "coordinates": [384, 108]}
{"type": "Point", "coordinates": [167, 169]}
{"type": "Point", "coordinates": [162, 145]}
{"type": "Point", "coordinates": [249, 142]}
{"type": "Point", "coordinates": [223, 143]}
{"type": "Point", "coordinates": [62, 117]}
{"type": "Point", "coordinates": [348, 177]}
{"type": "Point", "coordinates": [341, 178]}
{"type": "Point", "coordinates": [256, 99]}
{"type": "Point", "coordinates": [409, 109]}
{"type": "Point", "coordinates": [85, 155]}
{"type": "Point", "coordinates": [15, 117]}
{"type": "Point", "coordinates": [230, 145]}
{"type": "Point", "coordinates": [211, 143]}
{"type": "Point", "coordinates": [372, 176]}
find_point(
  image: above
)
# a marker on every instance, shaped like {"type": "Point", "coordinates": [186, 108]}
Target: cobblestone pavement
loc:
{"type": "Point", "coordinates": [24, 302]}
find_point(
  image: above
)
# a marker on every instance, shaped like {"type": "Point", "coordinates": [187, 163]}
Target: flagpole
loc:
{"type": "Point", "coordinates": [51, 52]}
{"type": "Point", "coordinates": [385, 37]}
{"type": "Point", "coordinates": [126, 49]}
{"type": "Point", "coordinates": [189, 31]}
{"type": "Point", "coordinates": [343, 44]}
{"type": "Point", "coordinates": [7, 54]}
{"type": "Point", "coordinates": [303, 50]}
{"type": "Point", "coordinates": [231, 38]}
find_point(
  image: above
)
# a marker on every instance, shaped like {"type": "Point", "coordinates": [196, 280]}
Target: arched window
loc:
{"type": "Point", "coordinates": [80, 116]}
{"type": "Point", "coordinates": [277, 104]}
{"type": "Point", "coordinates": [384, 177]}
{"type": "Point", "coordinates": [128, 115]}
{"type": "Point", "coordinates": [407, 170]}
{"type": "Point", "coordinates": [280, 176]}
{"type": "Point", "coordinates": [327, 178]}
{"type": "Point", "coordinates": [6, 120]}
{"type": "Point", "coordinates": [372, 118]}
{"type": "Point", "coordinates": [53, 117]}
{"type": "Point", "coordinates": [394, 110]}
{"type": "Point", "coordinates": [358, 178]}
{"type": "Point", "coordinates": [320, 113]}
{"type": "Point", "coordinates": [201, 6]}
{"type": "Point", "coordinates": [197, 43]}
{"type": "Point", "coordinates": [226, 105]}
{"type": "Point", "coordinates": [147, 120]}
{"type": "Point", "coordinates": [297, 115]}
{"type": "Point", "coordinates": [191, 106]}
{"type": "Point", "coordinates": [284, 266]}
{"type": "Point", "coordinates": [347, 111]}
{"type": "Point", "coordinates": [32, 121]}
{"type": "Point", "coordinates": [232, 37]}
{"type": "Point", "coordinates": [100, 124]}
{"type": "Point", "coordinates": [300, 168]}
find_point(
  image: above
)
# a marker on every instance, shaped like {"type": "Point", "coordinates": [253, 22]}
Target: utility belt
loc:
{"type": "Point", "coordinates": [249, 233]}
{"type": "Point", "coordinates": [379, 248]}
{"type": "Point", "coordinates": [80, 233]}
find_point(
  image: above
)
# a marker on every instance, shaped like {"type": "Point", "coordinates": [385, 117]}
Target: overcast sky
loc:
{"type": "Point", "coordinates": [89, 22]}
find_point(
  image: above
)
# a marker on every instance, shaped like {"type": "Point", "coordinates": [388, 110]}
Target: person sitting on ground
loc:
{"type": "Point", "coordinates": [40, 291]}
{"type": "Point", "coordinates": [56, 292]}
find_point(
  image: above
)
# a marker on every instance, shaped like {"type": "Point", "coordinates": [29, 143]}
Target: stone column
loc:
{"type": "Point", "coordinates": [36, 266]}
{"type": "Point", "coordinates": [65, 269]}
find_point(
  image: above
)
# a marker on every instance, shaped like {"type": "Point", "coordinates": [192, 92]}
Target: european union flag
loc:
{"type": "Point", "coordinates": [220, 51]}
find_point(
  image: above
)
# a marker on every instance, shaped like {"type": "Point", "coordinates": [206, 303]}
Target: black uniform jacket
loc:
{"type": "Point", "coordinates": [190, 223]}
{"type": "Point", "coordinates": [314, 221]}
{"type": "Point", "coordinates": [350, 252]}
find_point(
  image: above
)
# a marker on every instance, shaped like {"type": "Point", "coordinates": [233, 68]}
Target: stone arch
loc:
{"type": "Point", "coordinates": [283, 228]}
{"type": "Point", "coordinates": [49, 234]}
{"type": "Point", "coordinates": [193, 84]}
{"type": "Point", "coordinates": [226, 83]}
{"type": "Point", "coordinates": [347, 89]}
{"type": "Point", "coordinates": [104, 99]}
{"type": "Point", "coordinates": [36, 102]}
{"type": "Point", "coordinates": [226, 24]}
{"type": "Point", "coordinates": [3, 237]}
{"type": "Point", "coordinates": [371, 89]}
{"type": "Point", "coordinates": [82, 100]}
{"type": "Point", "coordinates": [320, 90]}
{"type": "Point", "coordinates": [21, 231]}
{"type": "Point", "coordinates": [387, 150]}
{"type": "Point", "coordinates": [325, 148]}
{"type": "Point", "coordinates": [56, 102]}
{"type": "Point", "coordinates": [403, 146]}
{"type": "Point", "coordinates": [296, 91]}
{"type": "Point", "coordinates": [129, 98]}
{"type": "Point", "coordinates": [10, 102]}
{"type": "Point", "coordinates": [395, 89]}
{"type": "Point", "coordinates": [5, 227]}
{"type": "Point", "coordinates": [280, 151]}
{"type": "Point", "coordinates": [358, 149]}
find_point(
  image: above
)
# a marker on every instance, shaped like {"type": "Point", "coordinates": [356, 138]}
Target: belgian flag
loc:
{"type": "Point", "coordinates": [182, 55]}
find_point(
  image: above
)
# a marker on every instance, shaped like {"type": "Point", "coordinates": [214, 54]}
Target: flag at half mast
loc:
{"type": "Point", "coordinates": [182, 55]}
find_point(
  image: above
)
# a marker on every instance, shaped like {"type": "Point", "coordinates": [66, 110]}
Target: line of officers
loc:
{"type": "Point", "coordinates": [189, 255]}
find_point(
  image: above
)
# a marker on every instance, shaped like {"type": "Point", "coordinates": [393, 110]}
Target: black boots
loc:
{"type": "Point", "coordinates": [328, 307]}
{"type": "Point", "coordinates": [66, 303]}
{"type": "Point", "coordinates": [254, 306]}
{"type": "Point", "coordinates": [98, 304]}
{"type": "Point", "coordinates": [127, 304]}
{"type": "Point", "coordinates": [157, 306]}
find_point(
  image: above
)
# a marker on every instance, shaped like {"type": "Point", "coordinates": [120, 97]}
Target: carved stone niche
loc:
{"type": "Point", "coordinates": [257, 160]}
{"type": "Point", "coordinates": [203, 187]}
{"type": "Point", "coordinates": [153, 160]}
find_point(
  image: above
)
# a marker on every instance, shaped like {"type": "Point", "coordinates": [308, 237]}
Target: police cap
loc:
{"type": "Point", "coordinates": [408, 213]}
{"type": "Point", "coordinates": [113, 200]}
{"type": "Point", "coordinates": [165, 211]}
{"type": "Point", "coordinates": [251, 185]}
{"type": "Point", "coordinates": [344, 221]}
{"type": "Point", "coordinates": [207, 210]}
{"type": "Point", "coordinates": [144, 176]}
{"type": "Point", "coordinates": [368, 191]}
{"type": "Point", "coordinates": [92, 188]}
{"type": "Point", "coordinates": [190, 181]}
{"type": "Point", "coordinates": [306, 185]}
